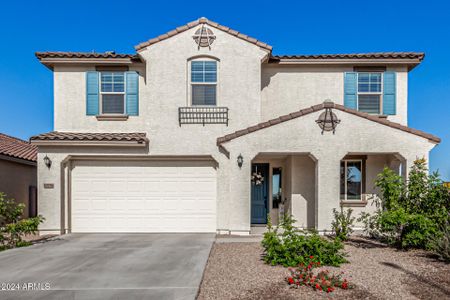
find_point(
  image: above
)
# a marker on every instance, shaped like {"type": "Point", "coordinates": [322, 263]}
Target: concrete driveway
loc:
{"type": "Point", "coordinates": [107, 266]}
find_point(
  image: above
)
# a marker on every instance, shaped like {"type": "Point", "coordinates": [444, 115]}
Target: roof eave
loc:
{"type": "Point", "coordinates": [90, 143]}
{"type": "Point", "coordinates": [17, 159]}
{"type": "Point", "coordinates": [411, 63]}
{"type": "Point", "coordinates": [51, 62]}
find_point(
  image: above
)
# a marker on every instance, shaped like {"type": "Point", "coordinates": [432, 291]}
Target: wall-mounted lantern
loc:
{"type": "Point", "coordinates": [240, 160]}
{"type": "Point", "coordinates": [47, 161]}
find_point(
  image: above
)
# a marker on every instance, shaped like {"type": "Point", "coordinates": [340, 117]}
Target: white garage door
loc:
{"type": "Point", "coordinates": [143, 196]}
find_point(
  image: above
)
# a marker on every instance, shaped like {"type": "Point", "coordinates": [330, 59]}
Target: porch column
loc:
{"type": "Point", "coordinates": [327, 188]}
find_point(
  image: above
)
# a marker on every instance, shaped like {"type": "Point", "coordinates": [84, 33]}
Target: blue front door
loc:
{"type": "Point", "coordinates": [259, 193]}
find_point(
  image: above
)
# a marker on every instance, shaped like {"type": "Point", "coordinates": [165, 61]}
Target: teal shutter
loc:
{"type": "Point", "coordinates": [92, 93]}
{"type": "Point", "coordinates": [389, 91]}
{"type": "Point", "coordinates": [132, 93]}
{"type": "Point", "coordinates": [350, 90]}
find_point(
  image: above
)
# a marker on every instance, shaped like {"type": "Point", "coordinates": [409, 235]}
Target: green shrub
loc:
{"type": "Point", "coordinates": [10, 211]}
{"type": "Point", "coordinates": [342, 223]}
{"type": "Point", "coordinates": [289, 246]}
{"type": "Point", "coordinates": [12, 227]}
{"type": "Point", "coordinates": [412, 214]}
{"type": "Point", "coordinates": [406, 230]}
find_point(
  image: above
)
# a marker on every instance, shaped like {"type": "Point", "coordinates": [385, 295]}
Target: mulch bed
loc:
{"type": "Point", "coordinates": [236, 271]}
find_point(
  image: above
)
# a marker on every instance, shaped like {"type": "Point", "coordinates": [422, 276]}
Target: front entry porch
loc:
{"type": "Point", "coordinates": [320, 170]}
{"type": "Point", "coordinates": [288, 183]}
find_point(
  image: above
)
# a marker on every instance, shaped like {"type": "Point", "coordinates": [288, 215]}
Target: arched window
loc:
{"type": "Point", "coordinates": [203, 82]}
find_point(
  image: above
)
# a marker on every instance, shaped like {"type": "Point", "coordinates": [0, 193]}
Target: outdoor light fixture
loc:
{"type": "Point", "coordinates": [240, 160]}
{"type": "Point", "coordinates": [47, 161]}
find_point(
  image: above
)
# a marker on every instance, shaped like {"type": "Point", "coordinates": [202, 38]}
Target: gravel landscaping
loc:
{"type": "Point", "coordinates": [235, 271]}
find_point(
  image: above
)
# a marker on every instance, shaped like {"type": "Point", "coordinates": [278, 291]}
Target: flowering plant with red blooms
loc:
{"type": "Point", "coordinates": [303, 275]}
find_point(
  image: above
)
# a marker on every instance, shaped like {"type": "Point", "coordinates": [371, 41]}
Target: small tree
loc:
{"type": "Point", "coordinates": [392, 188]}
{"type": "Point", "coordinates": [412, 213]}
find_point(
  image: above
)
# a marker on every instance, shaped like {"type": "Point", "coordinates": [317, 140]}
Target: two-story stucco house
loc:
{"type": "Point", "coordinates": [204, 130]}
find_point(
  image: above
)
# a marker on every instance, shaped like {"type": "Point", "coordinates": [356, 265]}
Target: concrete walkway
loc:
{"type": "Point", "coordinates": [107, 266]}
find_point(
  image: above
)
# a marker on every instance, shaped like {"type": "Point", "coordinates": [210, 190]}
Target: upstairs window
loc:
{"type": "Point", "coordinates": [112, 93]}
{"type": "Point", "coordinates": [370, 90]}
{"type": "Point", "coordinates": [204, 83]}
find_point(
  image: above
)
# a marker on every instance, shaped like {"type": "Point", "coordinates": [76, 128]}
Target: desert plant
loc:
{"type": "Point", "coordinates": [323, 281]}
{"type": "Point", "coordinates": [342, 223]}
{"type": "Point", "coordinates": [289, 246]}
{"type": "Point", "coordinates": [440, 245]}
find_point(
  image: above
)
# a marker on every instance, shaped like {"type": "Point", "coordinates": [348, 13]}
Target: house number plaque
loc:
{"type": "Point", "coordinates": [49, 185]}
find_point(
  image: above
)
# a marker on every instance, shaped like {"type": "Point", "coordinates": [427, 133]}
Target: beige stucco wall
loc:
{"type": "Point", "coordinates": [288, 88]}
{"type": "Point", "coordinates": [254, 92]}
{"type": "Point", "coordinates": [15, 180]}
{"type": "Point", "coordinates": [164, 87]}
{"type": "Point", "coordinates": [354, 135]}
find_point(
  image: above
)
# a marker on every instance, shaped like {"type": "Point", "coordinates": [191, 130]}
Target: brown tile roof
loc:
{"type": "Point", "coordinates": [203, 21]}
{"type": "Point", "coordinates": [17, 148]}
{"type": "Point", "coordinates": [97, 137]}
{"type": "Point", "coordinates": [375, 55]}
{"type": "Point", "coordinates": [318, 107]}
{"type": "Point", "coordinates": [93, 55]}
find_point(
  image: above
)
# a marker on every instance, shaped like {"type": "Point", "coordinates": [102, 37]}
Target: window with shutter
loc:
{"type": "Point", "coordinates": [112, 93]}
{"type": "Point", "coordinates": [372, 92]}
{"type": "Point", "coordinates": [369, 92]}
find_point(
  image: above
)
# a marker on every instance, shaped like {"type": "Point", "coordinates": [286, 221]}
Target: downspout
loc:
{"type": "Point", "coordinates": [64, 163]}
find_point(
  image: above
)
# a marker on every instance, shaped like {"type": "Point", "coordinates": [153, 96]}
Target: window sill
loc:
{"type": "Point", "coordinates": [353, 203]}
{"type": "Point", "coordinates": [112, 117]}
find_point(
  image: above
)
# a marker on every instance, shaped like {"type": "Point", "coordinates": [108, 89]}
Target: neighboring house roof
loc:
{"type": "Point", "coordinates": [373, 55]}
{"type": "Point", "coordinates": [17, 148]}
{"type": "Point", "coordinates": [138, 137]}
{"type": "Point", "coordinates": [203, 21]}
{"type": "Point", "coordinates": [319, 107]}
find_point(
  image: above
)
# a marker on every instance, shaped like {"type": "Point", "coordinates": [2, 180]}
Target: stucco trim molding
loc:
{"type": "Point", "coordinates": [143, 157]}
{"type": "Point", "coordinates": [318, 107]}
{"type": "Point", "coordinates": [347, 203]}
{"type": "Point", "coordinates": [111, 118]}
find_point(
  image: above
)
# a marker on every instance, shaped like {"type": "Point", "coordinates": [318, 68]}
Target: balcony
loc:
{"type": "Point", "coordinates": [203, 115]}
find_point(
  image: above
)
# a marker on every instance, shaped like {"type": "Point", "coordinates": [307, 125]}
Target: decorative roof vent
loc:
{"type": "Point", "coordinates": [204, 37]}
{"type": "Point", "coordinates": [328, 120]}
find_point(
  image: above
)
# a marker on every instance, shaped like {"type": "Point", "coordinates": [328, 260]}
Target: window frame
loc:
{"type": "Point", "coordinates": [191, 83]}
{"type": "Point", "coordinates": [362, 189]}
{"type": "Point", "coordinates": [380, 93]}
{"type": "Point", "coordinates": [101, 93]}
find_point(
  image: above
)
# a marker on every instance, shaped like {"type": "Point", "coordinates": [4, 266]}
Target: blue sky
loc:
{"type": "Point", "coordinates": [291, 27]}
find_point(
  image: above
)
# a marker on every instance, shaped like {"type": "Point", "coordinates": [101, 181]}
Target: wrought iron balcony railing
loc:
{"type": "Point", "coordinates": [203, 115]}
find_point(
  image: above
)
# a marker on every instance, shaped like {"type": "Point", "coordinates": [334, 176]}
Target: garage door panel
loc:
{"type": "Point", "coordinates": [143, 197]}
